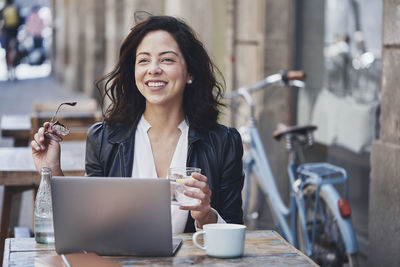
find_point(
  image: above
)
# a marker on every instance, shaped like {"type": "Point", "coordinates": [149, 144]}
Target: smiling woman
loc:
{"type": "Point", "coordinates": [164, 108]}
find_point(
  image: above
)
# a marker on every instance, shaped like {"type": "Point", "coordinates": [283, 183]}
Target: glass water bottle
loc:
{"type": "Point", "coordinates": [44, 229]}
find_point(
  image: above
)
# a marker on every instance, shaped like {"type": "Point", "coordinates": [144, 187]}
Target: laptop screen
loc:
{"type": "Point", "coordinates": [112, 216]}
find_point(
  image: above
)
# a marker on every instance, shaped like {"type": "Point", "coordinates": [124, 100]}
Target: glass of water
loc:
{"type": "Point", "coordinates": [177, 177]}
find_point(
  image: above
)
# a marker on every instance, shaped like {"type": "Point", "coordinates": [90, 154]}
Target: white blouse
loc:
{"type": "Point", "coordinates": [144, 166]}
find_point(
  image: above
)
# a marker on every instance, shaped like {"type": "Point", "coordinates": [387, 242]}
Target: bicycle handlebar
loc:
{"type": "Point", "coordinates": [293, 75]}
{"type": "Point", "coordinates": [291, 78]}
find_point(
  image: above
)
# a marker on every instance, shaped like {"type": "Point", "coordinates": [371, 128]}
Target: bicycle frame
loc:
{"type": "Point", "coordinates": [257, 162]}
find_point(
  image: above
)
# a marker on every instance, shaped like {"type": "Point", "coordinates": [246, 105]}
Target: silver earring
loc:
{"type": "Point", "coordinates": [190, 81]}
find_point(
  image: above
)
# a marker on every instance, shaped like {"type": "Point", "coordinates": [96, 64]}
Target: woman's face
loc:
{"type": "Point", "coordinates": [160, 69]}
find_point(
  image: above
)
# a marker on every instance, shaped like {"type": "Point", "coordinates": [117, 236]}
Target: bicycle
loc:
{"type": "Point", "coordinates": [320, 223]}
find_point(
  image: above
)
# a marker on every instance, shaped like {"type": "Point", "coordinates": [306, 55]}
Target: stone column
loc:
{"type": "Point", "coordinates": [99, 46]}
{"type": "Point", "coordinates": [75, 45]}
{"type": "Point", "coordinates": [69, 46]}
{"type": "Point", "coordinates": [58, 52]}
{"type": "Point", "coordinates": [94, 39]}
{"type": "Point", "coordinates": [89, 35]}
{"type": "Point", "coordinates": [384, 205]}
{"type": "Point", "coordinates": [111, 26]}
{"type": "Point", "coordinates": [277, 102]}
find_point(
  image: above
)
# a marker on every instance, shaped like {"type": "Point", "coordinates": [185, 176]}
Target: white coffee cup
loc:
{"type": "Point", "coordinates": [222, 240]}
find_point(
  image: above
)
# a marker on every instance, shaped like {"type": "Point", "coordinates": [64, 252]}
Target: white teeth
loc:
{"type": "Point", "coordinates": [156, 84]}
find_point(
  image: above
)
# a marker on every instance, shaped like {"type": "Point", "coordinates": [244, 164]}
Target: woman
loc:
{"type": "Point", "coordinates": [163, 113]}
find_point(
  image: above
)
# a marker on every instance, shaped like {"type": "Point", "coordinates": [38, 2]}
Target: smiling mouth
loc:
{"type": "Point", "coordinates": [156, 84]}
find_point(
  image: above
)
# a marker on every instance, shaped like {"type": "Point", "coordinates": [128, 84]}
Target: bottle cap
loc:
{"type": "Point", "coordinates": [46, 170]}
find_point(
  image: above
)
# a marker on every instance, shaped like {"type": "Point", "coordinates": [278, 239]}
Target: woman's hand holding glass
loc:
{"type": "Point", "coordinates": [45, 151]}
{"type": "Point", "coordinates": [202, 212]}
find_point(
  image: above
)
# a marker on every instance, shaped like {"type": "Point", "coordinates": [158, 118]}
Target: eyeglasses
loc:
{"type": "Point", "coordinates": [58, 129]}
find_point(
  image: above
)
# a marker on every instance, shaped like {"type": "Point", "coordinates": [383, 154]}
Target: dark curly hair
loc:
{"type": "Point", "coordinates": [201, 100]}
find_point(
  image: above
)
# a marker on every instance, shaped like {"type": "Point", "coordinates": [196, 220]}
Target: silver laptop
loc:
{"type": "Point", "coordinates": [113, 216]}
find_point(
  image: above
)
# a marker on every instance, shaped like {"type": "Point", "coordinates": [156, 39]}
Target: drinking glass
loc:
{"type": "Point", "coordinates": [177, 177]}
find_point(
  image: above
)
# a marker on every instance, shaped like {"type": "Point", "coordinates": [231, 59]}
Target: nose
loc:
{"type": "Point", "coordinates": [154, 68]}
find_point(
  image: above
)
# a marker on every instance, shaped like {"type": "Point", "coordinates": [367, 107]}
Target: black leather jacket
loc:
{"type": "Point", "coordinates": [218, 152]}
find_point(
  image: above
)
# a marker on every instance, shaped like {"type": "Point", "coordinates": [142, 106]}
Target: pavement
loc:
{"type": "Point", "coordinates": [17, 97]}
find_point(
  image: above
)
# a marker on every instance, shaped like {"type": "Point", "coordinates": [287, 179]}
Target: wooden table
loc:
{"type": "Point", "coordinates": [18, 173]}
{"type": "Point", "coordinates": [262, 248]}
{"type": "Point", "coordinates": [18, 127]}
{"type": "Point", "coordinates": [17, 168]}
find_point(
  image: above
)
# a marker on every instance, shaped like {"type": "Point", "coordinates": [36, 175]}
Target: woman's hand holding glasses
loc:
{"type": "Point", "coordinates": [45, 144]}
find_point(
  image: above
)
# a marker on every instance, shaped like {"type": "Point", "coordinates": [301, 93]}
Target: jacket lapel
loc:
{"type": "Point", "coordinates": [124, 139]}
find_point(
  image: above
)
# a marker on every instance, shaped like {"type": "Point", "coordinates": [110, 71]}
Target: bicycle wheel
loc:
{"type": "Point", "coordinates": [329, 248]}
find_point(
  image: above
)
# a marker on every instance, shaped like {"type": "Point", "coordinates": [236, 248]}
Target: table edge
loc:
{"type": "Point", "coordinates": [6, 253]}
{"type": "Point", "coordinates": [7, 249]}
{"type": "Point", "coordinates": [299, 252]}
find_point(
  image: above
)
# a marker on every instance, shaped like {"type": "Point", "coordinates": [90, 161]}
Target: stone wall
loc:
{"type": "Point", "coordinates": [384, 209]}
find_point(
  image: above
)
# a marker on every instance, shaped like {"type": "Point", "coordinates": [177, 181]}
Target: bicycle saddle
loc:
{"type": "Point", "coordinates": [282, 129]}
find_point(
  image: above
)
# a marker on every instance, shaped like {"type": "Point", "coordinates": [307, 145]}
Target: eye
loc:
{"type": "Point", "coordinates": [168, 60]}
{"type": "Point", "coordinates": [142, 60]}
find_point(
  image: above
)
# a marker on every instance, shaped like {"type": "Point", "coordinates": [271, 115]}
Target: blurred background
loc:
{"type": "Point", "coordinates": [62, 46]}
{"type": "Point", "coordinates": [27, 32]}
